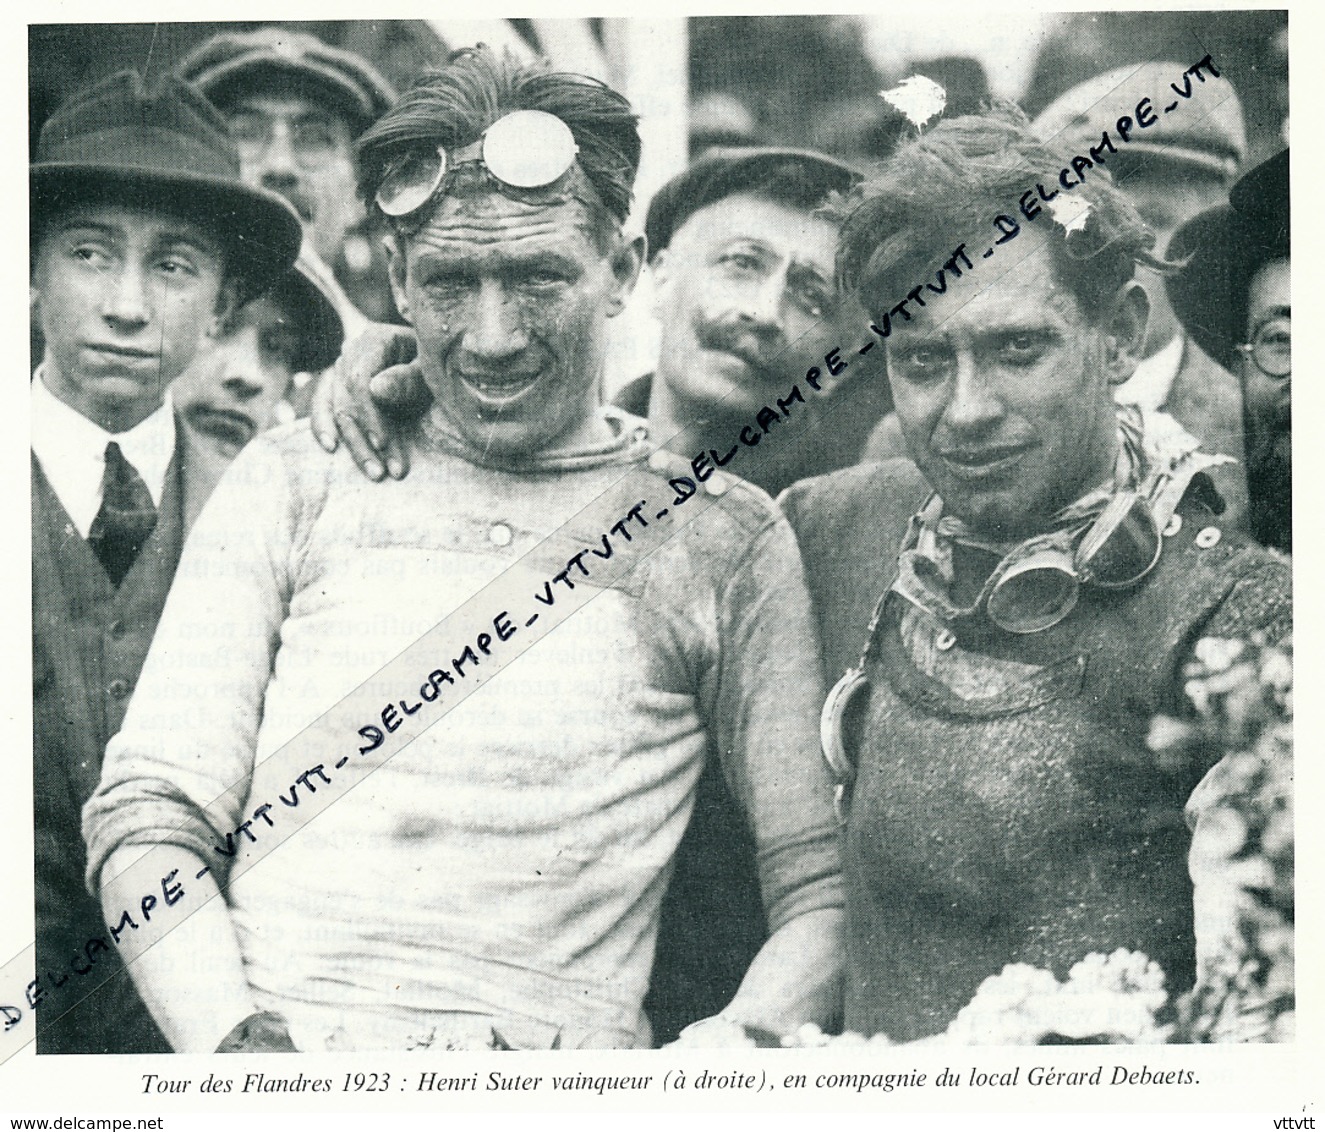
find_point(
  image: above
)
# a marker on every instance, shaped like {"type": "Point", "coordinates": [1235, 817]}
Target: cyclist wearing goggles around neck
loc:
{"type": "Point", "coordinates": [1005, 613]}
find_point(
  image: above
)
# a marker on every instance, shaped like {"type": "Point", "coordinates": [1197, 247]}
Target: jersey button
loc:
{"type": "Point", "coordinates": [118, 688]}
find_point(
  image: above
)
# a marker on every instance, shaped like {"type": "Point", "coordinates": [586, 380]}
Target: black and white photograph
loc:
{"type": "Point", "coordinates": [764, 538]}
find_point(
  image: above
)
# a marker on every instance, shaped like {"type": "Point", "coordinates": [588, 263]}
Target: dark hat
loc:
{"type": "Point", "coordinates": [721, 173]}
{"type": "Point", "coordinates": [234, 63]}
{"type": "Point", "coordinates": [311, 293]}
{"type": "Point", "coordinates": [1227, 245]}
{"type": "Point", "coordinates": [166, 149]}
{"type": "Point", "coordinates": [1212, 137]}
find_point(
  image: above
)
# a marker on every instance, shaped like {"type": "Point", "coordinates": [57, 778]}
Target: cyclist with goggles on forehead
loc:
{"type": "Point", "coordinates": [497, 881]}
{"type": "Point", "coordinates": [1012, 606]}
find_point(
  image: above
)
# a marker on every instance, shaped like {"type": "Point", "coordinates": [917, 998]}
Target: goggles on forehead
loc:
{"type": "Point", "coordinates": [527, 149]}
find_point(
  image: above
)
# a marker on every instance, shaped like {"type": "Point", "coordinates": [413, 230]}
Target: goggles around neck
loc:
{"type": "Point", "coordinates": [1037, 583]}
{"type": "Point", "coordinates": [526, 149]}
{"type": "Point", "coordinates": [1110, 538]}
{"type": "Point", "coordinates": [1033, 588]}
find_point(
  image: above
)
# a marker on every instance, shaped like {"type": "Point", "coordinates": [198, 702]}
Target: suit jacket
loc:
{"type": "Point", "coordinates": [89, 641]}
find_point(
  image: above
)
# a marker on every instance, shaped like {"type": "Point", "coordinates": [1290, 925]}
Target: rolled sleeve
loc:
{"type": "Point", "coordinates": [142, 811]}
{"type": "Point", "coordinates": [769, 694]}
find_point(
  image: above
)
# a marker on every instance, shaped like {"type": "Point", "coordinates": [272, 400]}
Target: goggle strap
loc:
{"type": "Point", "coordinates": [503, 149]}
{"type": "Point", "coordinates": [1105, 526]}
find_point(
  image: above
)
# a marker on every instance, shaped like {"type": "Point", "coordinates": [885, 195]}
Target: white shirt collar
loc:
{"type": "Point", "coordinates": [1150, 383]}
{"type": "Point", "coordinates": [72, 451]}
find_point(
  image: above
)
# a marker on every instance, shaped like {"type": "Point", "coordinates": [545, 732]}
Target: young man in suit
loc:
{"type": "Point", "coordinates": [143, 242]}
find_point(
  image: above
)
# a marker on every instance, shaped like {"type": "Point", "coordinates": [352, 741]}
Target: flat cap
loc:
{"type": "Point", "coordinates": [233, 63]}
{"type": "Point", "coordinates": [1208, 133]}
{"type": "Point", "coordinates": [722, 173]}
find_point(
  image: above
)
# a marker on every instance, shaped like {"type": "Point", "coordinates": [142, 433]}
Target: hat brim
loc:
{"type": "Point", "coordinates": [321, 84]}
{"type": "Point", "coordinates": [321, 330]}
{"type": "Point", "coordinates": [1263, 193]}
{"type": "Point", "coordinates": [1224, 250]}
{"type": "Point", "coordinates": [259, 232]}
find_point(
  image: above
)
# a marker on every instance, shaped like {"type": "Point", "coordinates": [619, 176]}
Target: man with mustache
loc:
{"type": "Point", "coordinates": [741, 249]}
{"type": "Point", "coordinates": [502, 873]}
{"type": "Point", "coordinates": [295, 106]}
{"type": "Point", "coordinates": [1232, 297]}
{"type": "Point", "coordinates": [742, 259]}
{"type": "Point", "coordinates": [144, 241]}
{"type": "Point", "coordinates": [1014, 605]}
{"type": "Point", "coordinates": [741, 252]}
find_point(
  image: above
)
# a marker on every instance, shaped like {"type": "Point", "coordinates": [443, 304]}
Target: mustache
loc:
{"type": "Point", "coordinates": [759, 347]}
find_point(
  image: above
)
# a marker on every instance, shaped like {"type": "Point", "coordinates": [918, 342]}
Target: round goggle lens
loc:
{"type": "Point", "coordinates": [1034, 594]}
{"type": "Point", "coordinates": [1123, 546]}
{"type": "Point", "coordinates": [528, 149]}
{"type": "Point", "coordinates": [410, 186]}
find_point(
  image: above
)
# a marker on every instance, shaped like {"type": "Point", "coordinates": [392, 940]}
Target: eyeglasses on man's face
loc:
{"type": "Point", "coordinates": [313, 141]}
{"type": "Point", "coordinates": [1271, 347]}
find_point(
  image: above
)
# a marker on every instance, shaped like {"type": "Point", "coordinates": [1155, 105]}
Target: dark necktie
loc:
{"type": "Point", "coordinates": [126, 518]}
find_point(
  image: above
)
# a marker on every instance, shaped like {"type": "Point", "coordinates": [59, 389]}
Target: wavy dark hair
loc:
{"type": "Point", "coordinates": [453, 105]}
{"type": "Point", "coordinates": [940, 188]}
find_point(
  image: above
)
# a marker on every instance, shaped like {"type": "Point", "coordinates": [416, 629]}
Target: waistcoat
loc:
{"type": "Point", "coordinates": [89, 641]}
